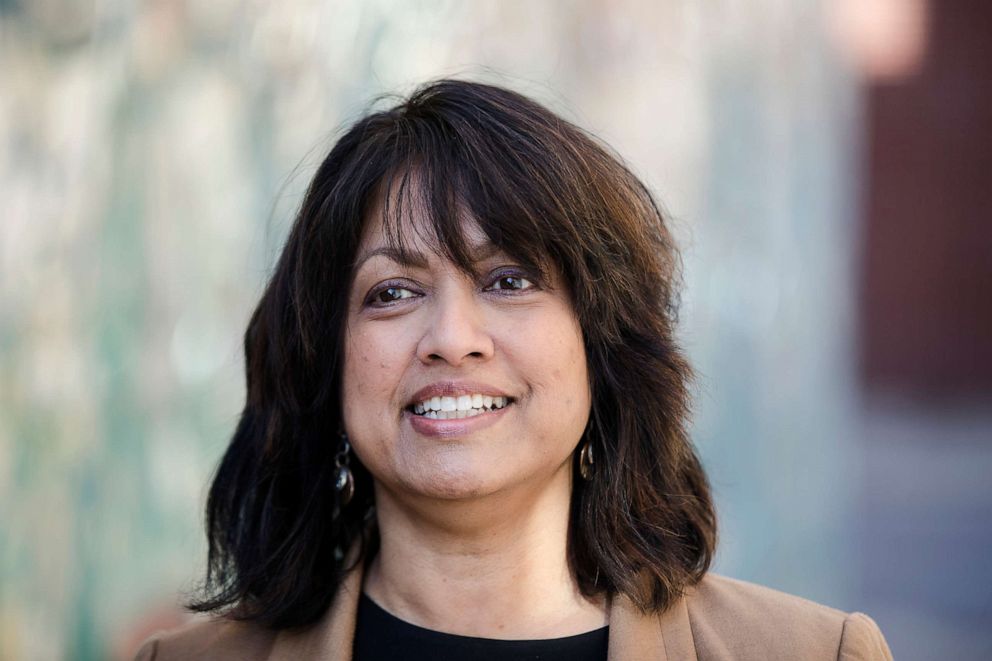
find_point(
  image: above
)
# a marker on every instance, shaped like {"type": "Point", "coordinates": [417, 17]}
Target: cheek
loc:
{"type": "Point", "coordinates": [576, 380]}
{"type": "Point", "coordinates": [370, 370]}
{"type": "Point", "coordinates": [356, 368]}
{"type": "Point", "coordinates": [561, 368]}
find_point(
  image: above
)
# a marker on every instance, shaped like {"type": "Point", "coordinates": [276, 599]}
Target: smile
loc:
{"type": "Point", "coordinates": [463, 406]}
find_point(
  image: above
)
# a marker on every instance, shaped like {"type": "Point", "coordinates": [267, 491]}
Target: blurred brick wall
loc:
{"type": "Point", "coordinates": [927, 288]}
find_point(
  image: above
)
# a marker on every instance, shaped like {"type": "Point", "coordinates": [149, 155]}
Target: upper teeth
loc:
{"type": "Point", "coordinates": [464, 403]}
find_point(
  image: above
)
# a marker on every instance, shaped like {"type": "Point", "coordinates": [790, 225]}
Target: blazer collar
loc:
{"type": "Point", "coordinates": [634, 636]}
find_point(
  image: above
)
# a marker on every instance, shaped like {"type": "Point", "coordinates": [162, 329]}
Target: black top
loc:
{"type": "Point", "coordinates": [380, 636]}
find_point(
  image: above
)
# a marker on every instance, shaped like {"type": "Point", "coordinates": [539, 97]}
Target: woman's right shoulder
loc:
{"type": "Point", "coordinates": [205, 637]}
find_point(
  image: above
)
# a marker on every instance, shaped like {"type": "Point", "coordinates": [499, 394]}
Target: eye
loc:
{"type": "Point", "coordinates": [389, 294]}
{"type": "Point", "coordinates": [510, 281]}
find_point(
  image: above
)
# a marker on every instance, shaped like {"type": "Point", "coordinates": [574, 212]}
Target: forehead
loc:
{"type": "Point", "coordinates": [417, 216]}
{"type": "Point", "coordinates": [416, 244]}
{"type": "Point", "coordinates": [405, 224]}
{"type": "Point", "coordinates": [415, 231]}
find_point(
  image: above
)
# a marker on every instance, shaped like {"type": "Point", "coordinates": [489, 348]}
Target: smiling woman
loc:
{"type": "Point", "coordinates": [465, 427]}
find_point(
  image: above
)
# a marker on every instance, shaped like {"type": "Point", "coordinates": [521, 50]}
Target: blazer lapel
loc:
{"type": "Point", "coordinates": [332, 637]}
{"type": "Point", "coordinates": [635, 636]}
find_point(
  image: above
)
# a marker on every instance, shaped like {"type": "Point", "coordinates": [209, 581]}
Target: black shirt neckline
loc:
{"type": "Point", "coordinates": [381, 635]}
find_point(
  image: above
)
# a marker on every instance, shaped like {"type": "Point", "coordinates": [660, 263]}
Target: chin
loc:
{"type": "Point", "coordinates": [456, 485]}
{"type": "Point", "coordinates": [445, 479]}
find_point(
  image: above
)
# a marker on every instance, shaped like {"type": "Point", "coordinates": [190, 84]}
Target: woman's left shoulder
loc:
{"type": "Point", "coordinates": [736, 619]}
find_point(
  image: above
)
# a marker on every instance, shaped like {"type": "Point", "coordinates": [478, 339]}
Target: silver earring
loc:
{"type": "Point", "coordinates": [586, 461]}
{"type": "Point", "coordinates": [344, 481]}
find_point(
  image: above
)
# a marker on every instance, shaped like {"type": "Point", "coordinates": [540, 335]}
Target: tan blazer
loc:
{"type": "Point", "coordinates": [721, 618]}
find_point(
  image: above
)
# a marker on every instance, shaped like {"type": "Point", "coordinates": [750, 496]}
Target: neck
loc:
{"type": "Point", "coordinates": [492, 567]}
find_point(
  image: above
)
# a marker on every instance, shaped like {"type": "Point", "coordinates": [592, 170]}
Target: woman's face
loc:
{"type": "Point", "coordinates": [459, 386]}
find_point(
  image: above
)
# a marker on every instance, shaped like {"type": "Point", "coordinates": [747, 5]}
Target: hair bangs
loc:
{"type": "Point", "coordinates": [434, 197]}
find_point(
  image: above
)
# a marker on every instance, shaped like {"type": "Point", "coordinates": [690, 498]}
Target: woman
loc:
{"type": "Point", "coordinates": [465, 427]}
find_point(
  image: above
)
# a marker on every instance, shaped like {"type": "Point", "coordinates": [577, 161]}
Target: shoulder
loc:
{"type": "Point", "coordinates": [736, 619]}
{"type": "Point", "coordinates": [209, 638]}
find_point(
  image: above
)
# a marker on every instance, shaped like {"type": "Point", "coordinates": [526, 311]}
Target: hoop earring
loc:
{"type": "Point", "coordinates": [344, 481]}
{"type": "Point", "coordinates": [586, 469]}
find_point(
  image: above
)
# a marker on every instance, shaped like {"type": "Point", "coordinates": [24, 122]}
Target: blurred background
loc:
{"type": "Point", "coordinates": [826, 164]}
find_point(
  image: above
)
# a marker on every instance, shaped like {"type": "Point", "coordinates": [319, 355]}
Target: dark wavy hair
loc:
{"type": "Point", "coordinates": [545, 192]}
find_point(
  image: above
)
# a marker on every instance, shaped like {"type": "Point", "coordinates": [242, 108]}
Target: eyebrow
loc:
{"type": "Point", "coordinates": [403, 257]}
{"type": "Point", "coordinates": [416, 259]}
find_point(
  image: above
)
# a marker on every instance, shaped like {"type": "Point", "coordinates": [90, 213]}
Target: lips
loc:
{"type": "Point", "coordinates": [463, 406]}
{"type": "Point", "coordinates": [448, 396]}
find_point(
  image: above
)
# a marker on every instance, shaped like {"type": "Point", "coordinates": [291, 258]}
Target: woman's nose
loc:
{"type": "Point", "coordinates": [456, 331]}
